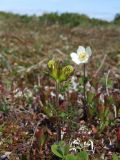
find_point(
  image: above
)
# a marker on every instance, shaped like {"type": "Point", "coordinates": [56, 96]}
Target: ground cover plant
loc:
{"type": "Point", "coordinates": [56, 102]}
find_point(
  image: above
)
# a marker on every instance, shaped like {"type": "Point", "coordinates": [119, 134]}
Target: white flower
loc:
{"type": "Point", "coordinates": [82, 55]}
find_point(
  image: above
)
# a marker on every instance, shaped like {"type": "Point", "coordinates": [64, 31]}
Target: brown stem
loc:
{"type": "Point", "coordinates": [84, 94]}
{"type": "Point", "coordinates": [57, 109]}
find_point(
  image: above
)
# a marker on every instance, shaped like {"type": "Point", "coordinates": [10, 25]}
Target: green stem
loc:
{"type": "Point", "coordinates": [84, 94]}
{"type": "Point", "coordinates": [57, 95]}
{"type": "Point", "coordinates": [57, 109]}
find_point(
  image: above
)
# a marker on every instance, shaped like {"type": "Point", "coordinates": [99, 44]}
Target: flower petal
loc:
{"type": "Point", "coordinates": [80, 49]}
{"type": "Point", "coordinates": [85, 61]}
{"type": "Point", "coordinates": [76, 61]}
{"type": "Point", "coordinates": [75, 58]}
{"type": "Point", "coordinates": [89, 51]}
{"type": "Point", "coordinates": [74, 55]}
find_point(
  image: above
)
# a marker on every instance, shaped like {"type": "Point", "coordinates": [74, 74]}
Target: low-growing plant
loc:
{"type": "Point", "coordinates": [4, 105]}
{"type": "Point", "coordinates": [62, 150]}
{"type": "Point", "coordinates": [115, 157]}
{"type": "Point", "coordinates": [59, 73]}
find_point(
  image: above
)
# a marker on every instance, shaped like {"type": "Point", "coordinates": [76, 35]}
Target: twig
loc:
{"type": "Point", "coordinates": [106, 82]}
{"type": "Point", "coordinates": [36, 66]}
{"type": "Point", "coordinates": [115, 110]}
{"type": "Point", "coordinates": [60, 52]}
{"type": "Point", "coordinates": [102, 63]}
{"type": "Point", "coordinates": [34, 133]}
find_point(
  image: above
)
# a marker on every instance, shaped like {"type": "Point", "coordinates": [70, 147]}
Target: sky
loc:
{"type": "Point", "coordinates": [103, 9]}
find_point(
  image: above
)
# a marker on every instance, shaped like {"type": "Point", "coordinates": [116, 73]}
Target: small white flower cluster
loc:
{"type": "Point", "coordinates": [28, 93]}
{"type": "Point", "coordinates": [74, 83]}
{"type": "Point", "coordinates": [25, 93]}
{"type": "Point", "coordinates": [17, 93]}
{"type": "Point", "coordinates": [76, 145]}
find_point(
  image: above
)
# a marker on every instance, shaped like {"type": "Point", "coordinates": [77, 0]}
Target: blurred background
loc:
{"type": "Point", "coordinates": [103, 9]}
{"type": "Point", "coordinates": [34, 31]}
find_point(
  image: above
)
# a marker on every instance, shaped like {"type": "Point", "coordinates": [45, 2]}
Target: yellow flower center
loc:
{"type": "Point", "coordinates": [83, 56]}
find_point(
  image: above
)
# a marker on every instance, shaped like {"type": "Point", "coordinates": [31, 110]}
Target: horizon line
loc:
{"type": "Point", "coordinates": [40, 12]}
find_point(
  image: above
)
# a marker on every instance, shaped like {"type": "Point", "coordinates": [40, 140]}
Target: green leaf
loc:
{"type": "Point", "coordinates": [90, 97]}
{"type": "Point", "coordinates": [48, 111]}
{"type": "Point", "coordinates": [56, 151]}
{"type": "Point", "coordinates": [24, 157]}
{"type": "Point", "coordinates": [43, 139]}
{"type": "Point", "coordinates": [66, 72]}
{"type": "Point", "coordinates": [2, 126]}
{"type": "Point", "coordinates": [62, 114]}
{"type": "Point", "coordinates": [53, 66]}
{"type": "Point", "coordinates": [83, 155]}
{"type": "Point", "coordinates": [71, 157]}
{"type": "Point", "coordinates": [61, 149]}
{"type": "Point", "coordinates": [115, 157]}
{"type": "Point", "coordinates": [66, 149]}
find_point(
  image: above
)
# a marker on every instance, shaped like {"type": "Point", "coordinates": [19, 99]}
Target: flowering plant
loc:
{"type": "Point", "coordinates": [81, 57]}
